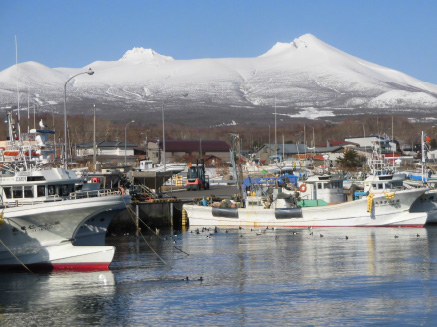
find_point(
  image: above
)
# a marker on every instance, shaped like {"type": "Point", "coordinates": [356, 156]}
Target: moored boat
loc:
{"type": "Point", "coordinates": [376, 210]}
{"type": "Point", "coordinates": [317, 201]}
{"type": "Point", "coordinates": [45, 222]}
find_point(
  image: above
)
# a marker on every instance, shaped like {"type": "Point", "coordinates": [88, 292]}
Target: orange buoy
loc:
{"type": "Point", "coordinates": [12, 153]}
{"type": "Point", "coordinates": [303, 188]}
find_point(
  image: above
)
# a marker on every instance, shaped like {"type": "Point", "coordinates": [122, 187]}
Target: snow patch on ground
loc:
{"type": "Point", "coordinates": [233, 123]}
{"type": "Point", "coordinates": [402, 98]}
{"type": "Point", "coordinates": [310, 113]}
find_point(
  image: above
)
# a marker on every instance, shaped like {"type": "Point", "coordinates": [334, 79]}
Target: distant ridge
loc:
{"type": "Point", "coordinates": [307, 78]}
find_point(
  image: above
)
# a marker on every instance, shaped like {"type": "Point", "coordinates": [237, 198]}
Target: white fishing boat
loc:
{"type": "Point", "coordinates": [390, 209]}
{"type": "Point", "coordinates": [45, 222]}
{"type": "Point", "coordinates": [385, 178]}
{"type": "Point", "coordinates": [317, 202]}
{"type": "Point", "coordinates": [148, 165]}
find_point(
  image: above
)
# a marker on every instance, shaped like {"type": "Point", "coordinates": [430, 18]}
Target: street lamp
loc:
{"type": "Point", "coordinates": [94, 142]}
{"type": "Point", "coordinates": [125, 131]}
{"type": "Point", "coordinates": [163, 126]}
{"type": "Point", "coordinates": [89, 72]}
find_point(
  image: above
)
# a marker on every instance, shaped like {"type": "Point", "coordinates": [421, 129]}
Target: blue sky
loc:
{"type": "Point", "coordinates": [400, 34]}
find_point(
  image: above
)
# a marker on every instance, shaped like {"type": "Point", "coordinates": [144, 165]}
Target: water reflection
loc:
{"type": "Point", "coordinates": [55, 298]}
{"type": "Point", "coordinates": [250, 277]}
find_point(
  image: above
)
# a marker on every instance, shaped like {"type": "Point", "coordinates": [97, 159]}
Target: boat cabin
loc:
{"type": "Point", "coordinates": [384, 183]}
{"type": "Point", "coordinates": [45, 185]}
{"type": "Point", "coordinates": [322, 187]}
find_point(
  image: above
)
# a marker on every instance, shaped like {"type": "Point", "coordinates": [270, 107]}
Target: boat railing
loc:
{"type": "Point", "coordinates": [56, 197]}
{"type": "Point", "coordinates": [17, 203]}
{"type": "Point", "coordinates": [306, 197]}
{"type": "Point", "coordinates": [93, 194]}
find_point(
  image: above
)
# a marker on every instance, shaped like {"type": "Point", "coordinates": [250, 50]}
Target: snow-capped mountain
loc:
{"type": "Point", "coordinates": [304, 78]}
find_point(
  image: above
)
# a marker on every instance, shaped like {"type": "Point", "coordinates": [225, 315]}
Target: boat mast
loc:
{"type": "Point", "coordinates": [392, 140]}
{"type": "Point", "coordinates": [422, 145]}
{"type": "Point", "coordinates": [235, 160]}
{"type": "Point", "coordinates": [18, 91]}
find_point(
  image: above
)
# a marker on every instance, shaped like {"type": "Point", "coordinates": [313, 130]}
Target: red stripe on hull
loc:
{"type": "Point", "coordinates": [306, 226]}
{"type": "Point", "coordinates": [89, 266]}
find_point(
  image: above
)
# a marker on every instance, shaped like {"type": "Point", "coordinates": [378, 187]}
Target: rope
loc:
{"type": "Point", "coordinates": [160, 258]}
{"type": "Point", "coordinates": [10, 251]}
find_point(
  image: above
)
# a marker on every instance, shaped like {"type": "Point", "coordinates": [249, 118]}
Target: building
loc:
{"type": "Point", "coordinates": [108, 152]}
{"type": "Point", "coordinates": [185, 150]}
{"type": "Point", "coordinates": [296, 151]}
{"type": "Point", "coordinates": [382, 142]}
{"type": "Point", "coordinates": [287, 151]}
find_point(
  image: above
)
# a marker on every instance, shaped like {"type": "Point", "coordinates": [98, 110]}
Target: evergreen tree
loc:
{"type": "Point", "coordinates": [350, 159]}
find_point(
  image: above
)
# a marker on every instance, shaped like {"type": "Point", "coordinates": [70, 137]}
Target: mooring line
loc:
{"type": "Point", "coordinates": [160, 258]}
{"type": "Point", "coordinates": [13, 254]}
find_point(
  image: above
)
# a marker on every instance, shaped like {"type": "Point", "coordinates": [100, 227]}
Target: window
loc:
{"type": "Point", "coordinates": [41, 190]}
{"type": "Point", "coordinates": [319, 186]}
{"type": "Point", "coordinates": [52, 190]}
{"type": "Point", "coordinates": [17, 192]}
{"type": "Point", "coordinates": [380, 186]}
{"type": "Point", "coordinates": [7, 191]}
{"type": "Point", "coordinates": [28, 191]}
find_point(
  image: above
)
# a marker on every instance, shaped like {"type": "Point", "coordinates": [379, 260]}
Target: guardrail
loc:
{"type": "Point", "coordinates": [56, 197]}
{"type": "Point", "coordinates": [93, 194]}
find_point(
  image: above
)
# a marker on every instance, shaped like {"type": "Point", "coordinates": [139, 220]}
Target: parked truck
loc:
{"type": "Point", "coordinates": [196, 177]}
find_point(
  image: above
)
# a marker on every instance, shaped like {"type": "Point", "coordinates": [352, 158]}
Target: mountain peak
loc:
{"type": "Point", "coordinates": [141, 55]}
{"type": "Point", "coordinates": [300, 43]}
{"type": "Point", "coordinates": [305, 41]}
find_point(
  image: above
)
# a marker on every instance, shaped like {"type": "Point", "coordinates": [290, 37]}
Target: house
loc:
{"type": "Point", "coordinates": [297, 151]}
{"type": "Point", "coordinates": [183, 150]}
{"type": "Point", "coordinates": [287, 151]}
{"type": "Point", "coordinates": [339, 143]}
{"type": "Point", "coordinates": [108, 152]}
{"type": "Point", "coordinates": [382, 142]}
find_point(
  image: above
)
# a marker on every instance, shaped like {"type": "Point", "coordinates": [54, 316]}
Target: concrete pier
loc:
{"type": "Point", "coordinates": [157, 214]}
{"type": "Point", "coordinates": [166, 212]}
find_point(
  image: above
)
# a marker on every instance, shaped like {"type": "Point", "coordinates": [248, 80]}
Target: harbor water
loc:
{"type": "Point", "coordinates": [241, 277]}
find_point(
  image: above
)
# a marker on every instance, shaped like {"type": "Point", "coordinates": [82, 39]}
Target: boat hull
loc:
{"type": "Point", "coordinates": [427, 202]}
{"type": "Point", "coordinates": [60, 257]}
{"type": "Point", "coordinates": [384, 212]}
{"type": "Point", "coordinates": [45, 234]}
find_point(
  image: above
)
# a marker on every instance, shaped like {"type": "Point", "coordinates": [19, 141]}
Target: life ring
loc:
{"type": "Point", "coordinates": [303, 188]}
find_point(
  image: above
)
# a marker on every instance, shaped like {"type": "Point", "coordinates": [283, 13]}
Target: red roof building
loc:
{"type": "Point", "coordinates": [180, 150]}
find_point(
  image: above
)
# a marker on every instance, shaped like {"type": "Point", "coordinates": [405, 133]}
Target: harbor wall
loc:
{"type": "Point", "coordinates": [157, 214]}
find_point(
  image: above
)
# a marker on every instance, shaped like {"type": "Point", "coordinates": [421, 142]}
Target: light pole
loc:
{"type": "Point", "coordinates": [94, 142]}
{"type": "Point", "coordinates": [276, 146]}
{"type": "Point", "coordinates": [89, 72]}
{"type": "Point", "coordinates": [125, 132]}
{"type": "Point", "coordinates": [163, 126]}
